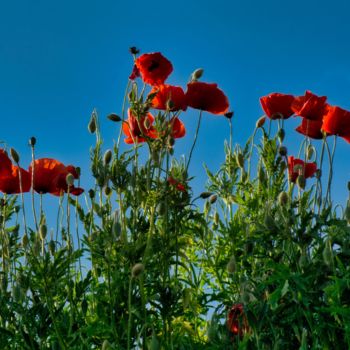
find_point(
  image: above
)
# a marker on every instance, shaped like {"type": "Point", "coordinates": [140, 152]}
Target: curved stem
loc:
{"type": "Point", "coordinates": [195, 139]}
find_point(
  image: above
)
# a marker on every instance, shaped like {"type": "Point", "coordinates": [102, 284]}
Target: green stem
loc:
{"type": "Point", "coordinates": [195, 139]}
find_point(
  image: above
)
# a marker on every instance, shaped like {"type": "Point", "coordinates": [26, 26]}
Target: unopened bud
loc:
{"type": "Point", "coordinates": [107, 157]}
{"type": "Point", "coordinates": [107, 191]}
{"type": "Point", "coordinates": [42, 231]}
{"type": "Point", "coordinates": [171, 141]}
{"type": "Point", "coordinates": [14, 155]}
{"type": "Point", "coordinates": [205, 195]}
{"type": "Point", "coordinates": [70, 179]}
{"type": "Point", "coordinates": [281, 134]}
{"type": "Point", "coordinates": [134, 50]}
{"type": "Point", "coordinates": [78, 171]}
{"type": "Point", "coordinates": [197, 74]}
{"type": "Point", "coordinates": [213, 198]}
{"type": "Point", "coordinates": [301, 181]}
{"type": "Point", "coordinates": [260, 122]}
{"type": "Point", "coordinates": [240, 160]}
{"type": "Point", "coordinates": [91, 193]}
{"type": "Point", "coordinates": [328, 253]}
{"type": "Point", "coordinates": [231, 265]}
{"type": "Point", "coordinates": [114, 117]}
{"type": "Point", "coordinates": [25, 241]}
{"type": "Point", "coordinates": [92, 124]}
{"type": "Point", "coordinates": [216, 218]}
{"type": "Point", "coordinates": [283, 198]}
{"type": "Point", "coordinates": [282, 151]}
{"type": "Point", "coordinates": [32, 141]}
{"type": "Point", "coordinates": [310, 152]}
{"type": "Point", "coordinates": [229, 115]}
{"type": "Point", "coordinates": [137, 270]}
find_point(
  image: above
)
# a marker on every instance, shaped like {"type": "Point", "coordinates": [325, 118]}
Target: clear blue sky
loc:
{"type": "Point", "coordinates": [60, 59]}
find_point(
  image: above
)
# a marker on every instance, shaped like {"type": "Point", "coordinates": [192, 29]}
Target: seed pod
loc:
{"type": "Point", "coordinates": [42, 231]}
{"type": "Point", "coordinates": [92, 124]}
{"type": "Point", "coordinates": [282, 151]}
{"type": "Point", "coordinates": [197, 74]}
{"type": "Point", "coordinates": [14, 155]}
{"type": "Point", "coordinates": [107, 157]}
{"type": "Point", "coordinates": [70, 179]}
{"type": "Point", "coordinates": [281, 134]}
{"type": "Point", "coordinates": [213, 198]}
{"type": "Point", "coordinates": [32, 141]}
{"type": "Point", "coordinates": [231, 265]}
{"type": "Point", "coordinates": [301, 181]}
{"type": "Point", "coordinates": [114, 117]}
{"type": "Point", "coordinates": [260, 122]}
{"type": "Point", "coordinates": [283, 198]}
{"type": "Point", "coordinates": [137, 270]}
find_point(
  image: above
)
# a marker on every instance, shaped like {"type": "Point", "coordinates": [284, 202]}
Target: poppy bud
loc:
{"type": "Point", "coordinates": [240, 160]}
{"type": "Point", "coordinates": [301, 181]}
{"type": "Point", "coordinates": [283, 198]}
{"type": "Point", "coordinates": [114, 117]}
{"type": "Point", "coordinates": [32, 141]}
{"type": "Point", "coordinates": [70, 179]}
{"type": "Point", "coordinates": [228, 115]}
{"type": "Point", "coordinates": [171, 141]}
{"type": "Point", "coordinates": [14, 155]}
{"type": "Point", "coordinates": [92, 124]}
{"type": "Point", "coordinates": [107, 191]}
{"type": "Point", "coordinates": [197, 74]}
{"type": "Point", "coordinates": [42, 231]}
{"type": "Point", "coordinates": [52, 247]}
{"type": "Point", "coordinates": [91, 193]}
{"type": "Point", "coordinates": [134, 50]}
{"type": "Point", "coordinates": [213, 198]}
{"type": "Point", "coordinates": [116, 228]}
{"type": "Point", "coordinates": [310, 152]}
{"type": "Point", "coordinates": [260, 122]}
{"type": "Point", "coordinates": [328, 253]}
{"type": "Point", "coordinates": [78, 170]}
{"type": "Point", "coordinates": [231, 265]}
{"type": "Point", "coordinates": [106, 345]}
{"type": "Point", "coordinates": [216, 218]}
{"type": "Point", "coordinates": [282, 151]}
{"type": "Point", "coordinates": [281, 134]}
{"type": "Point", "coordinates": [25, 241]}
{"type": "Point", "coordinates": [137, 270]}
{"type": "Point", "coordinates": [205, 195]}
{"type": "Point", "coordinates": [171, 151]}
{"type": "Point", "coordinates": [107, 157]}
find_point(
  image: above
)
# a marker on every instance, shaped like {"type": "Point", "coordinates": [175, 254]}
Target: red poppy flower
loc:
{"type": "Point", "coordinates": [166, 93]}
{"type": "Point", "coordinates": [50, 177]}
{"type": "Point", "coordinates": [136, 130]}
{"type": "Point", "coordinates": [298, 167]}
{"type": "Point", "coordinates": [337, 122]}
{"type": "Point", "coordinates": [206, 97]}
{"type": "Point", "coordinates": [135, 73]}
{"type": "Point", "coordinates": [177, 128]}
{"type": "Point", "coordinates": [311, 128]}
{"type": "Point", "coordinates": [177, 184]}
{"type": "Point", "coordinates": [154, 68]}
{"type": "Point", "coordinates": [310, 106]}
{"type": "Point", "coordinates": [237, 322]}
{"type": "Point", "coordinates": [277, 106]}
{"type": "Point", "coordinates": [10, 176]}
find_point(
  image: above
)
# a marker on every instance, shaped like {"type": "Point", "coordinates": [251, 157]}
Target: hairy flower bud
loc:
{"type": "Point", "coordinates": [310, 152]}
{"type": "Point", "coordinates": [213, 198]}
{"type": "Point", "coordinates": [114, 117]}
{"type": "Point", "coordinates": [25, 241]}
{"type": "Point", "coordinates": [91, 193]}
{"type": "Point", "coordinates": [229, 115]}
{"type": "Point", "coordinates": [260, 122]}
{"type": "Point", "coordinates": [52, 247]}
{"type": "Point", "coordinates": [32, 141]}
{"type": "Point", "coordinates": [240, 160]}
{"type": "Point", "coordinates": [282, 151]}
{"type": "Point", "coordinates": [205, 195]}
{"type": "Point", "coordinates": [107, 191]}
{"type": "Point", "coordinates": [92, 124]}
{"type": "Point", "coordinates": [70, 179]}
{"type": "Point", "coordinates": [328, 253]}
{"type": "Point", "coordinates": [42, 231]}
{"type": "Point", "coordinates": [137, 270]}
{"type": "Point", "coordinates": [281, 134]}
{"type": "Point", "coordinates": [107, 157]}
{"type": "Point", "coordinates": [283, 198]}
{"type": "Point", "coordinates": [301, 181]}
{"type": "Point", "coordinates": [14, 155]}
{"type": "Point", "coordinates": [134, 50]}
{"type": "Point", "coordinates": [197, 74]}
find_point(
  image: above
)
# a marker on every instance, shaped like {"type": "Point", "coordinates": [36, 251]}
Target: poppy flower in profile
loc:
{"type": "Point", "coordinates": [298, 167]}
{"type": "Point", "coordinates": [237, 322]}
{"type": "Point", "coordinates": [10, 176]}
{"type": "Point", "coordinates": [169, 97]}
{"type": "Point", "coordinates": [177, 128]}
{"type": "Point", "coordinates": [310, 106]}
{"type": "Point", "coordinates": [135, 73]}
{"type": "Point", "coordinates": [137, 130]}
{"type": "Point", "coordinates": [177, 184]}
{"type": "Point", "coordinates": [50, 177]}
{"type": "Point", "coordinates": [311, 128]}
{"type": "Point", "coordinates": [206, 97]}
{"type": "Point", "coordinates": [337, 122]}
{"type": "Point", "coordinates": [277, 106]}
{"type": "Point", "coordinates": [154, 68]}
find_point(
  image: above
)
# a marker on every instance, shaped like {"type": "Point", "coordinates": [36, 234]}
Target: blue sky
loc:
{"type": "Point", "coordinates": [60, 59]}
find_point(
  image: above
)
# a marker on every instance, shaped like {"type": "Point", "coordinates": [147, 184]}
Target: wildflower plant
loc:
{"type": "Point", "coordinates": [258, 260]}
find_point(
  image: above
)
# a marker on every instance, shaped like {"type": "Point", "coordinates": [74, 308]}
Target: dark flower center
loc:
{"type": "Point", "coordinates": [154, 65]}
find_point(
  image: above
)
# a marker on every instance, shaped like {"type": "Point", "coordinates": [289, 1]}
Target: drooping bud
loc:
{"type": "Point", "coordinates": [70, 179]}
{"type": "Point", "coordinates": [32, 141]}
{"type": "Point", "coordinates": [205, 195]}
{"type": "Point", "coordinates": [260, 122]}
{"type": "Point", "coordinates": [282, 151]}
{"type": "Point", "coordinates": [213, 198]}
{"type": "Point", "coordinates": [137, 270]}
{"type": "Point", "coordinates": [107, 157]}
{"type": "Point", "coordinates": [301, 181]}
{"type": "Point", "coordinates": [78, 171]}
{"type": "Point", "coordinates": [231, 265]}
{"type": "Point", "coordinates": [14, 155]}
{"type": "Point", "coordinates": [216, 218]}
{"type": "Point", "coordinates": [240, 160]}
{"type": "Point", "coordinates": [197, 74]}
{"type": "Point", "coordinates": [114, 117]}
{"type": "Point", "coordinates": [171, 150]}
{"type": "Point", "coordinates": [283, 198]}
